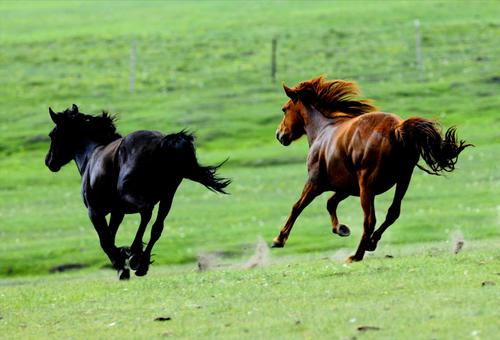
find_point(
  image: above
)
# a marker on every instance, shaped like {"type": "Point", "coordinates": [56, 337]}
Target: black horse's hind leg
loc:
{"type": "Point", "coordinates": [107, 244]}
{"type": "Point", "coordinates": [393, 212]}
{"type": "Point", "coordinates": [156, 231]}
{"type": "Point", "coordinates": [114, 223]}
{"type": "Point", "coordinates": [136, 247]}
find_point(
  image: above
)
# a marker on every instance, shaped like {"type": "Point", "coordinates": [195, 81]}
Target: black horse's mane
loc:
{"type": "Point", "coordinates": [100, 128]}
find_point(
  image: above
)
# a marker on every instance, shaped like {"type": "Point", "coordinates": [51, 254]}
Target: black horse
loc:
{"type": "Point", "coordinates": [126, 175]}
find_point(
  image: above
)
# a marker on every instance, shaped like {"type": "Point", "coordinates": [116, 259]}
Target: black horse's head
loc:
{"type": "Point", "coordinates": [73, 131]}
{"type": "Point", "coordinates": [62, 141]}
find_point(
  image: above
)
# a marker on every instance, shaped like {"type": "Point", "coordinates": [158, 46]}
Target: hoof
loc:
{"type": "Point", "coordinates": [123, 274]}
{"type": "Point", "coordinates": [277, 243]}
{"type": "Point", "coordinates": [342, 230]}
{"type": "Point", "coordinates": [352, 259]}
{"type": "Point", "coordinates": [141, 271]}
{"type": "Point", "coordinates": [134, 261]}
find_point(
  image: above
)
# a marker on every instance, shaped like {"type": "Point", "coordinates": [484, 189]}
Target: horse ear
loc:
{"type": "Point", "coordinates": [290, 93]}
{"type": "Point", "coordinates": [53, 115]}
{"type": "Point", "coordinates": [306, 93]}
{"type": "Point", "coordinates": [74, 108]}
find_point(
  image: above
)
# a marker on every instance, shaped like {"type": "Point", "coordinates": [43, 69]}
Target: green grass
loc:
{"type": "Point", "coordinates": [205, 66]}
{"type": "Point", "coordinates": [423, 292]}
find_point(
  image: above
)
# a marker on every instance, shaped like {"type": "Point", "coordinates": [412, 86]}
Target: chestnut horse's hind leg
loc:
{"type": "Point", "coordinates": [392, 214]}
{"type": "Point", "coordinates": [308, 194]}
{"type": "Point", "coordinates": [333, 202]}
{"type": "Point", "coordinates": [156, 230]}
{"type": "Point", "coordinates": [368, 204]}
{"type": "Point", "coordinates": [106, 239]}
{"type": "Point", "coordinates": [136, 247]}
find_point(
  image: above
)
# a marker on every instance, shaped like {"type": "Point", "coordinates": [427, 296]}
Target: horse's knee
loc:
{"type": "Point", "coordinates": [296, 208]}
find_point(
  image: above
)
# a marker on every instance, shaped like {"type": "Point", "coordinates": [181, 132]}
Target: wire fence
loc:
{"type": "Point", "coordinates": [415, 52]}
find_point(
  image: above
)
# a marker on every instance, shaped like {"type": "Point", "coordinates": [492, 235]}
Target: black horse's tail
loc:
{"type": "Point", "coordinates": [181, 147]}
{"type": "Point", "coordinates": [424, 137]}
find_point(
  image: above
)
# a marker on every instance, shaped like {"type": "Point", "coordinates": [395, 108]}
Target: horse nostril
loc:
{"type": "Point", "coordinates": [278, 135]}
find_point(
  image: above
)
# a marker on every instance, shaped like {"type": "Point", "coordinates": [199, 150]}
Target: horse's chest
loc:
{"type": "Point", "coordinates": [98, 189]}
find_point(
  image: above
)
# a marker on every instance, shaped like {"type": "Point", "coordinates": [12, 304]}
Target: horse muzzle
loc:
{"type": "Point", "coordinates": [283, 139]}
{"type": "Point", "coordinates": [52, 167]}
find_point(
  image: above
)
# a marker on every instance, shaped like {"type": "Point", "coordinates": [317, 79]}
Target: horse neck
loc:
{"type": "Point", "coordinates": [315, 121]}
{"type": "Point", "coordinates": [83, 153]}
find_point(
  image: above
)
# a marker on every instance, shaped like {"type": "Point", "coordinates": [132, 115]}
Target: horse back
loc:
{"type": "Point", "coordinates": [369, 137]}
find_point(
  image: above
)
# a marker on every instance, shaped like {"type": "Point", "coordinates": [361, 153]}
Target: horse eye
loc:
{"type": "Point", "coordinates": [284, 110]}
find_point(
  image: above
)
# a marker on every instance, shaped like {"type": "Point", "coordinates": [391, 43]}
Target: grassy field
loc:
{"type": "Point", "coordinates": [206, 66]}
{"type": "Point", "coordinates": [423, 292]}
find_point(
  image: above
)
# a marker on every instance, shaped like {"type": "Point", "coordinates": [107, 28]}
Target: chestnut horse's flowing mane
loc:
{"type": "Point", "coordinates": [335, 97]}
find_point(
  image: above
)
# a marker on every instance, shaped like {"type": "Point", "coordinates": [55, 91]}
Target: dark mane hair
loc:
{"type": "Point", "coordinates": [100, 128]}
{"type": "Point", "coordinates": [334, 97]}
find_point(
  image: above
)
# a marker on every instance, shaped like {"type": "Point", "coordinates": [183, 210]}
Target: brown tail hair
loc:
{"type": "Point", "coordinates": [424, 136]}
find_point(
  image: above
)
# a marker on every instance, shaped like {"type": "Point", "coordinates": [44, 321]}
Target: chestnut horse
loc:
{"type": "Point", "coordinates": [355, 151]}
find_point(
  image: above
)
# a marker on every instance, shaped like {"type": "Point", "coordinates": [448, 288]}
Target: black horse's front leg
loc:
{"type": "Point", "coordinates": [106, 239]}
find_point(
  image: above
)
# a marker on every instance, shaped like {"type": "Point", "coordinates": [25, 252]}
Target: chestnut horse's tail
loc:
{"type": "Point", "coordinates": [425, 138]}
{"type": "Point", "coordinates": [181, 147]}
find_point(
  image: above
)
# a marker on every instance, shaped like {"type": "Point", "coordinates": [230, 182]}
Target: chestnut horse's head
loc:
{"type": "Point", "coordinates": [331, 98]}
{"type": "Point", "coordinates": [292, 125]}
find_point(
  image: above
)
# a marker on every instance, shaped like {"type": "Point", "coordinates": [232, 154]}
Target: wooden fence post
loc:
{"type": "Point", "coordinates": [133, 59]}
{"type": "Point", "coordinates": [273, 59]}
{"type": "Point", "coordinates": [418, 49]}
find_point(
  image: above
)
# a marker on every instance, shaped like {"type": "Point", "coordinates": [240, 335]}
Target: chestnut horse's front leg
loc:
{"type": "Point", "coordinates": [308, 194]}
